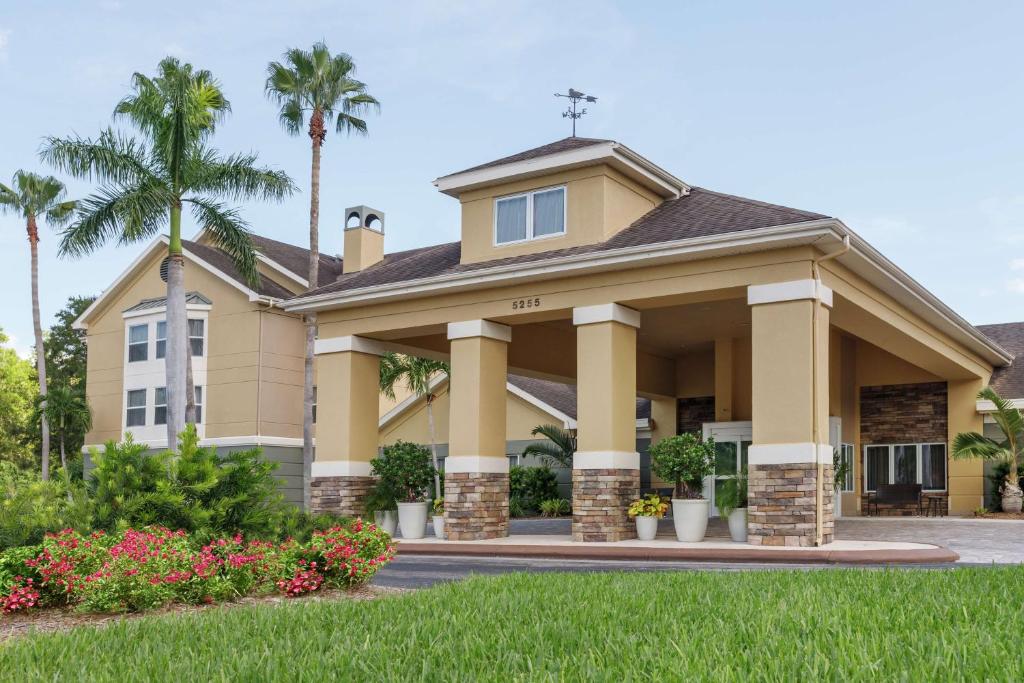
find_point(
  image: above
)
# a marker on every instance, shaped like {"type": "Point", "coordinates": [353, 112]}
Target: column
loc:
{"type": "Point", "coordinates": [348, 377]}
{"type": "Point", "coordinates": [790, 461]}
{"type": "Point", "coordinates": [606, 466]}
{"type": "Point", "coordinates": [966, 478]}
{"type": "Point", "coordinates": [476, 486]}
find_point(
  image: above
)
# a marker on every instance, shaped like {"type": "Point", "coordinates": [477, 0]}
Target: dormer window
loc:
{"type": "Point", "coordinates": [529, 216]}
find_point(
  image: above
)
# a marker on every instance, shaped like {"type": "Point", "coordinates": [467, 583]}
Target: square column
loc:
{"type": "Point", "coordinates": [606, 466]}
{"type": "Point", "coordinates": [348, 381]}
{"type": "Point", "coordinates": [476, 484]}
{"type": "Point", "coordinates": [790, 461]}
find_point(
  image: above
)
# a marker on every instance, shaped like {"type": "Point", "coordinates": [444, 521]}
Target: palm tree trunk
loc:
{"type": "Point", "coordinates": [190, 387]}
{"type": "Point", "coordinates": [433, 446]}
{"type": "Point", "coordinates": [177, 333]}
{"type": "Point", "coordinates": [33, 241]}
{"type": "Point", "coordinates": [316, 134]}
{"type": "Point", "coordinates": [63, 455]}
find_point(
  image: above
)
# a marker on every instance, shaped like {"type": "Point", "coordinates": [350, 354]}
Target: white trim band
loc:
{"type": "Point", "coordinates": [602, 313]}
{"type": "Point", "coordinates": [350, 343]}
{"type": "Point", "coordinates": [339, 468]}
{"type": "Point", "coordinates": [794, 290]}
{"type": "Point", "coordinates": [479, 328]}
{"type": "Point", "coordinates": [787, 453]}
{"type": "Point", "coordinates": [476, 464]}
{"type": "Point", "coordinates": [605, 460]}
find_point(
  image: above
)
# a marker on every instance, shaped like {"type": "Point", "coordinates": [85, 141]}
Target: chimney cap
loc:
{"type": "Point", "coordinates": [369, 218]}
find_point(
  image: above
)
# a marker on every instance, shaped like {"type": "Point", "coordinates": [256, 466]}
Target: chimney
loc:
{"type": "Point", "coordinates": [364, 238]}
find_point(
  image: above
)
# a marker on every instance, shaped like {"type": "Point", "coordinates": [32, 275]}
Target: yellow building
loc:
{"type": "Point", "coordinates": [779, 332]}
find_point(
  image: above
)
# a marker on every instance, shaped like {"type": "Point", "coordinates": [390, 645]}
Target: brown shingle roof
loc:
{"type": "Point", "coordinates": [1009, 381]}
{"type": "Point", "coordinates": [296, 259]}
{"type": "Point", "coordinates": [563, 145]}
{"type": "Point", "coordinates": [222, 262]}
{"type": "Point", "coordinates": [562, 397]}
{"type": "Point", "coordinates": [701, 213]}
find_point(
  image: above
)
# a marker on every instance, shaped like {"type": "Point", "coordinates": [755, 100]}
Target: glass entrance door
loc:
{"type": "Point", "coordinates": [732, 441]}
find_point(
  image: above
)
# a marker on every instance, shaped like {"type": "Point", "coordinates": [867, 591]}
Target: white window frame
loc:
{"type": "Point", "coordinates": [847, 451]}
{"type": "Point", "coordinates": [529, 215]}
{"type": "Point", "coordinates": [892, 463]}
{"type": "Point", "coordinates": [202, 338]}
{"type": "Point", "coordinates": [144, 407]}
{"type": "Point", "coordinates": [199, 398]}
{"type": "Point", "coordinates": [130, 344]}
{"type": "Point", "coordinates": [156, 404]}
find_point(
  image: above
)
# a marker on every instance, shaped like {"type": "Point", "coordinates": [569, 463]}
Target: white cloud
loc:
{"type": "Point", "coordinates": [1015, 285]}
{"type": "Point", "coordinates": [5, 39]}
{"type": "Point", "coordinates": [1017, 264]}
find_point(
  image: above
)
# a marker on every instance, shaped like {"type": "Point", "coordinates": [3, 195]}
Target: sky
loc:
{"type": "Point", "coordinates": [906, 120]}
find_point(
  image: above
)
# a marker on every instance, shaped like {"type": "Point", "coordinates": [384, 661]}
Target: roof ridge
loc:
{"type": "Point", "coordinates": [753, 202]}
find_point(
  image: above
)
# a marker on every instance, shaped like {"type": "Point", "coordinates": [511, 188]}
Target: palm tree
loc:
{"type": "Point", "coordinates": [560, 449]}
{"type": "Point", "coordinates": [322, 86]}
{"type": "Point", "coordinates": [1007, 450]}
{"type": "Point", "coordinates": [420, 375]}
{"type": "Point", "coordinates": [33, 196]}
{"type": "Point", "coordinates": [146, 181]}
{"type": "Point", "coordinates": [69, 413]}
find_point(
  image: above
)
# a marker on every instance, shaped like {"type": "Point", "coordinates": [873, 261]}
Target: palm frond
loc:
{"type": "Point", "coordinates": [415, 373]}
{"type": "Point", "coordinates": [968, 445]}
{"type": "Point", "coordinates": [61, 213]}
{"type": "Point", "coordinates": [230, 233]}
{"type": "Point", "coordinates": [111, 158]}
{"type": "Point", "coordinates": [561, 447]}
{"type": "Point", "coordinates": [125, 213]}
{"type": "Point", "coordinates": [549, 453]}
{"type": "Point", "coordinates": [235, 177]}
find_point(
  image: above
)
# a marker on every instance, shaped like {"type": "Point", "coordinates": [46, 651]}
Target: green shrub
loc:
{"type": "Point", "coordinates": [31, 507]}
{"type": "Point", "coordinates": [532, 485]}
{"type": "Point", "coordinates": [406, 469]}
{"type": "Point", "coordinates": [516, 507]}
{"type": "Point", "coordinates": [998, 478]}
{"type": "Point", "coordinates": [555, 507]}
{"type": "Point", "coordinates": [685, 460]}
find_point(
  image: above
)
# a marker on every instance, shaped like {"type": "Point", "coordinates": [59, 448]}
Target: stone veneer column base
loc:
{"type": "Point", "coordinates": [599, 502]}
{"type": "Point", "coordinates": [475, 505]}
{"type": "Point", "coordinates": [782, 505]}
{"type": "Point", "coordinates": [343, 495]}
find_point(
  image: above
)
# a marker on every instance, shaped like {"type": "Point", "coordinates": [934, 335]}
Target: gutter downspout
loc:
{"type": "Point", "coordinates": [819, 487]}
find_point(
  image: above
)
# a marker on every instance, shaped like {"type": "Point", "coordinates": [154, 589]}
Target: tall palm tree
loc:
{"type": "Point", "coordinates": [69, 413]}
{"type": "Point", "coordinates": [559, 448]}
{"type": "Point", "coordinates": [1007, 450]}
{"type": "Point", "coordinates": [145, 182]}
{"type": "Point", "coordinates": [32, 196]}
{"type": "Point", "coordinates": [420, 376]}
{"type": "Point", "coordinates": [316, 84]}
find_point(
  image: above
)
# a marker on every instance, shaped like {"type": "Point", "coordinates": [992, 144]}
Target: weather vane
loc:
{"type": "Point", "coordinates": [575, 96]}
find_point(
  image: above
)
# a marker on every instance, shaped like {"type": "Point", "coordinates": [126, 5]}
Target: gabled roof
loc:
{"type": "Point", "coordinates": [562, 145]}
{"type": "Point", "coordinates": [296, 259]}
{"type": "Point", "coordinates": [562, 397]}
{"type": "Point", "coordinates": [191, 298]}
{"type": "Point", "coordinates": [701, 213]}
{"type": "Point", "coordinates": [1008, 381]}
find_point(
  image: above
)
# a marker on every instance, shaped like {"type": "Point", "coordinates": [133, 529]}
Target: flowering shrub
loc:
{"type": "Point", "coordinates": [153, 566]}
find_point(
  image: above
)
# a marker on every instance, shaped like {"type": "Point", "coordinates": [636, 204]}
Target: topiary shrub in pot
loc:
{"type": "Point", "coordinates": [647, 511]}
{"type": "Point", "coordinates": [406, 469]}
{"type": "Point", "coordinates": [686, 460]}
{"type": "Point", "coordinates": [382, 503]}
{"type": "Point", "coordinates": [731, 501]}
{"type": "Point", "coordinates": [439, 518]}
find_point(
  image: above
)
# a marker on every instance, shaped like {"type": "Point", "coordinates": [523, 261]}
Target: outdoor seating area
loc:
{"type": "Point", "coordinates": [904, 499]}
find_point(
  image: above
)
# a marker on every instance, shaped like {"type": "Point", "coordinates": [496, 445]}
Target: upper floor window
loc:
{"type": "Point", "coordinates": [138, 343]}
{"type": "Point", "coordinates": [135, 414]}
{"type": "Point", "coordinates": [195, 335]}
{"type": "Point", "coordinates": [528, 216]}
{"type": "Point", "coordinates": [161, 339]}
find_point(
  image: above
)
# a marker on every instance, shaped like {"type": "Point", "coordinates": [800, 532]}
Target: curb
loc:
{"type": "Point", "coordinates": [931, 555]}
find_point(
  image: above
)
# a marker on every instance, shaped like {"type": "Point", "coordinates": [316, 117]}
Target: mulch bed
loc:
{"type": "Point", "coordinates": [1001, 515]}
{"type": "Point", "coordinates": [44, 620]}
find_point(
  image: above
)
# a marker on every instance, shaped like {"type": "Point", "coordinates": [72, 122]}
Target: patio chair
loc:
{"type": "Point", "coordinates": [895, 494]}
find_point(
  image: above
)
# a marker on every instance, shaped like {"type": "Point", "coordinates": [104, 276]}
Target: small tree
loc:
{"type": "Point", "coordinates": [968, 445]}
{"type": "Point", "coordinates": [405, 468]}
{"type": "Point", "coordinates": [561, 448]}
{"type": "Point", "coordinates": [69, 414]}
{"type": "Point", "coordinates": [685, 459]}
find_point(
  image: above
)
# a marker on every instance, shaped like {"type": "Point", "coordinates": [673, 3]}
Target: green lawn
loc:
{"type": "Point", "coordinates": [778, 626]}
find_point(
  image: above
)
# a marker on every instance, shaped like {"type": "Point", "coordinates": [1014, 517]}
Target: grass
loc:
{"type": "Point", "coordinates": [849, 625]}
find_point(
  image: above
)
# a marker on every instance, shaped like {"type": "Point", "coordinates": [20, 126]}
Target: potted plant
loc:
{"type": "Point", "coordinates": [686, 459]}
{"type": "Point", "coordinates": [647, 511]}
{"type": "Point", "coordinates": [731, 501]}
{"type": "Point", "coordinates": [439, 517]}
{"type": "Point", "coordinates": [405, 468]}
{"type": "Point", "coordinates": [381, 503]}
{"type": "Point", "coordinates": [1006, 450]}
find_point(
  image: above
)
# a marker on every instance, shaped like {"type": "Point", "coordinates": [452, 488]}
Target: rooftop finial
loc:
{"type": "Point", "coordinates": [575, 96]}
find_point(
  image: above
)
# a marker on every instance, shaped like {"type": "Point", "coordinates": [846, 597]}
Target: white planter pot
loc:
{"type": "Point", "coordinates": [412, 518]}
{"type": "Point", "coordinates": [386, 520]}
{"type": "Point", "coordinates": [646, 527]}
{"type": "Point", "coordinates": [738, 525]}
{"type": "Point", "coordinates": [1011, 502]}
{"type": "Point", "coordinates": [439, 526]}
{"type": "Point", "coordinates": [690, 518]}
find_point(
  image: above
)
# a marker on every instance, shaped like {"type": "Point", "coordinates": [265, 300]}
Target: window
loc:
{"type": "Point", "coordinates": [195, 335]}
{"type": "Point", "coordinates": [138, 343]}
{"type": "Point", "coordinates": [161, 339]}
{"type": "Point", "coordinates": [922, 463]}
{"type": "Point", "coordinates": [314, 404]}
{"type": "Point", "coordinates": [135, 415]}
{"type": "Point", "coordinates": [199, 404]}
{"type": "Point", "coordinates": [846, 456]}
{"type": "Point", "coordinates": [529, 216]}
{"type": "Point", "coordinates": [160, 406]}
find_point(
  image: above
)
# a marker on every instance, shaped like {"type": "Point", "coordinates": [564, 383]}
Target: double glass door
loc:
{"type": "Point", "coordinates": [732, 441]}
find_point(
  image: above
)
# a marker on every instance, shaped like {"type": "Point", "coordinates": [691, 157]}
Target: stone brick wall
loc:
{"type": "Point", "coordinates": [475, 505]}
{"type": "Point", "coordinates": [599, 502]}
{"type": "Point", "coordinates": [340, 495]}
{"type": "Point", "coordinates": [782, 505]}
{"type": "Point", "coordinates": [904, 413]}
{"type": "Point", "coordinates": [694, 412]}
